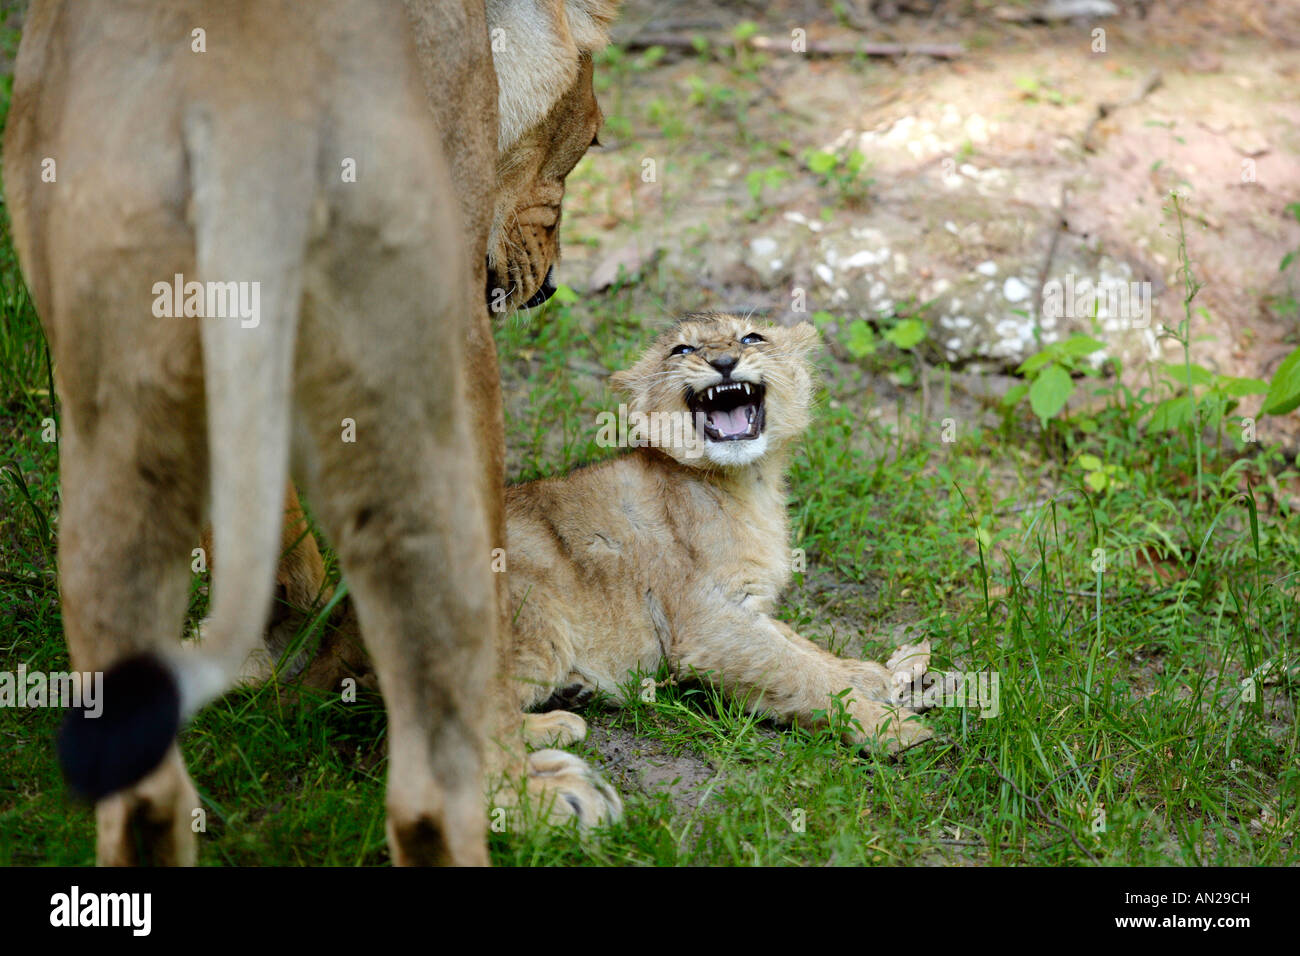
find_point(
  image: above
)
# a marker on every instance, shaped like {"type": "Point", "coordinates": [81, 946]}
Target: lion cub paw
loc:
{"type": "Point", "coordinates": [557, 728]}
{"type": "Point", "coordinates": [895, 729]}
{"type": "Point", "coordinates": [567, 788]}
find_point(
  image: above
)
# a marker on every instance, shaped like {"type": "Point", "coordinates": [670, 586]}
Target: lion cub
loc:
{"type": "Point", "coordinates": [678, 551]}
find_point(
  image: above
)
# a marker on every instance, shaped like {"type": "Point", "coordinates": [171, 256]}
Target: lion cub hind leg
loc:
{"type": "Point", "coordinates": [555, 728]}
{"type": "Point", "coordinates": [559, 787]}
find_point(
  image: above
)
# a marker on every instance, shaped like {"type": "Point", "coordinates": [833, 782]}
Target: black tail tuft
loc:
{"type": "Point", "coordinates": [141, 714]}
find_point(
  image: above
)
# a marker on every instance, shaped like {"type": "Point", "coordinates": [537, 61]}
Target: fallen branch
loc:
{"type": "Point", "coordinates": [1059, 226]}
{"type": "Point", "coordinates": [691, 43]}
{"type": "Point", "coordinates": [1150, 83]}
{"type": "Point", "coordinates": [1056, 10]}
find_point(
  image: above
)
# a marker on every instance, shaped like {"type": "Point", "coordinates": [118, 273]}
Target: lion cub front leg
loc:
{"type": "Point", "coordinates": [776, 671]}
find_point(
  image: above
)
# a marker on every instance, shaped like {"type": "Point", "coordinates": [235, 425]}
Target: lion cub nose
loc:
{"type": "Point", "coordinates": [724, 363]}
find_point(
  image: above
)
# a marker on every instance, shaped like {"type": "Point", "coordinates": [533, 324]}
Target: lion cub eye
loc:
{"type": "Point", "coordinates": [682, 350]}
{"type": "Point", "coordinates": [753, 338]}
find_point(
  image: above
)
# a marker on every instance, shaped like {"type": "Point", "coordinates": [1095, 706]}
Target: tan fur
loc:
{"type": "Point", "coordinates": [537, 70]}
{"type": "Point", "coordinates": [534, 160]}
{"type": "Point", "coordinates": [225, 166]}
{"type": "Point", "coordinates": [300, 590]}
{"type": "Point", "coordinates": [663, 556]}
{"type": "Point", "coordinates": [548, 118]}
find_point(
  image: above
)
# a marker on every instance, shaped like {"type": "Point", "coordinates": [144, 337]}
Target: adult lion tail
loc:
{"type": "Point", "coordinates": [252, 195]}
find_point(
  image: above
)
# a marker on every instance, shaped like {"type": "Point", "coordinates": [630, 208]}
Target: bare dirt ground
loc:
{"type": "Point", "coordinates": [642, 764]}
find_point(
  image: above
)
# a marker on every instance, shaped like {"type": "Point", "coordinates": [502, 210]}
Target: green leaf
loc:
{"type": "Point", "coordinates": [861, 339]}
{"type": "Point", "coordinates": [820, 161]}
{"type": "Point", "coordinates": [1172, 414]}
{"type": "Point", "coordinates": [1036, 361]}
{"type": "Point", "coordinates": [1178, 373]}
{"type": "Point", "coordinates": [564, 295]}
{"type": "Point", "coordinates": [907, 333]}
{"type": "Point", "coordinates": [1240, 387]}
{"type": "Point", "coordinates": [1048, 394]}
{"type": "Point", "coordinates": [1015, 395]}
{"type": "Point", "coordinates": [1097, 480]}
{"type": "Point", "coordinates": [1284, 391]}
{"type": "Point", "coordinates": [821, 318]}
{"type": "Point", "coordinates": [1090, 462]}
{"type": "Point", "coordinates": [651, 56]}
{"type": "Point", "coordinates": [1078, 345]}
{"type": "Point", "coordinates": [1213, 407]}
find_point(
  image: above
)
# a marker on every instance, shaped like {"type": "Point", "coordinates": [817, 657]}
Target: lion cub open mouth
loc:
{"type": "Point", "coordinates": [729, 411]}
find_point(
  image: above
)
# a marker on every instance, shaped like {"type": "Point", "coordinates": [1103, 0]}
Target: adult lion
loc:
{"type": "Point", "coordinates": [248, 225]}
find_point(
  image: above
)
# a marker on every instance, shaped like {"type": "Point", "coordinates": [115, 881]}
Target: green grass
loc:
{"type": "Point", "coordinates": [1120, 692]}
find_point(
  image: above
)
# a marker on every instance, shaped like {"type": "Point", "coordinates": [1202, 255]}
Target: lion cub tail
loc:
{"type": "Point", "coordinates": [253, 192]}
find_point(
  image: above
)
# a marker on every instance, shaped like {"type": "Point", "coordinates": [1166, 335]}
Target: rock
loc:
{"type": "Point", "coordinates": [1014, 290]}
{"type": "Point", "coordinates": [626, 260]}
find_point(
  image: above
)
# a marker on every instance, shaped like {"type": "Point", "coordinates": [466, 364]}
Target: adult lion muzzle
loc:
{"type": "Point", "coordinates": [280, 165]}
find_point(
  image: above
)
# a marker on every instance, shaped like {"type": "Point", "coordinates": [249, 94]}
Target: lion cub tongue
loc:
{"type": "Point", "coordinates": [732, 422]}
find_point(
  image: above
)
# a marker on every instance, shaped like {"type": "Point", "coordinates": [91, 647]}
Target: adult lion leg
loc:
{"type": "Point", "coordinates": [404, 509]}
{"type": "Point", "coordinates": [152, 823]}
{"type": "Point", "coordinates": [774, 670]}
{"type": "Point", "coordinates": [132, 442]}
{"type": "Point", "coordinates": [124, 585]}
{"type": "Point", "coordinates": [387, 452]}
{"type": "Point", "coordinates": [132, 478]}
